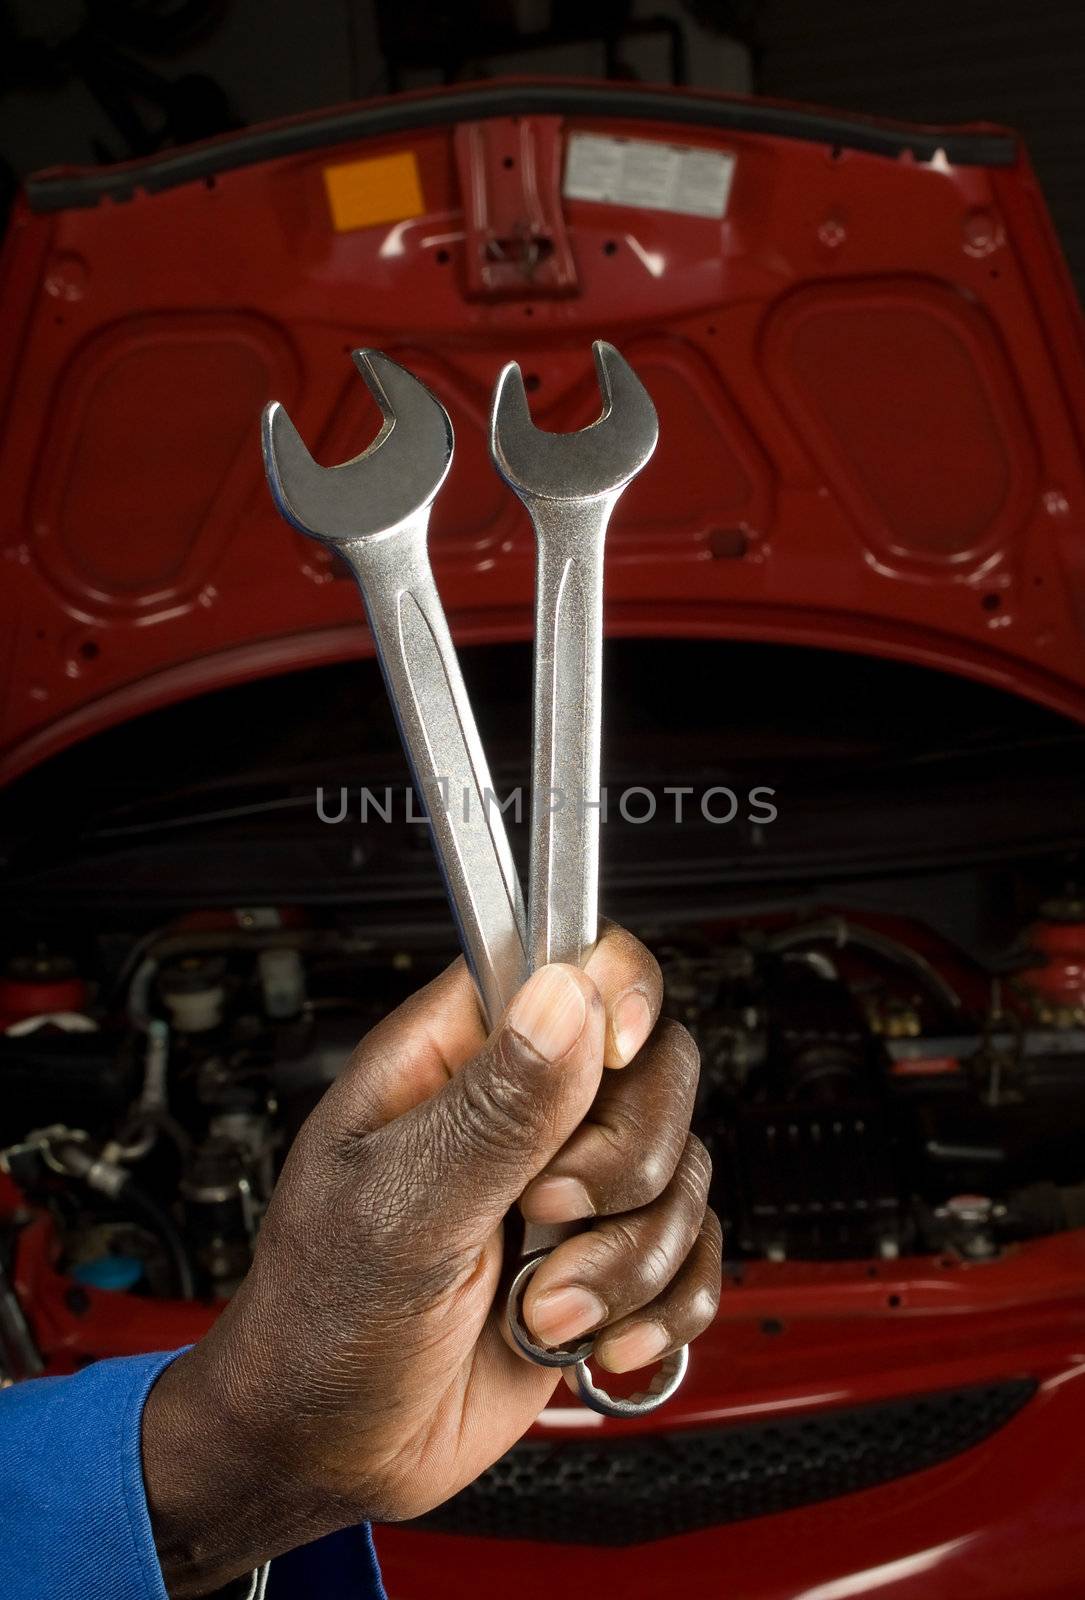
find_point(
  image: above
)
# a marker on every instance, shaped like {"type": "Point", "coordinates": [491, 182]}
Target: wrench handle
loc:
{"type": "Point", "coordinates": [563, 900]}
{"type": "Point", "coordinates": [563, 893]}
{"type": "Point", "coordinates": [441, 742]}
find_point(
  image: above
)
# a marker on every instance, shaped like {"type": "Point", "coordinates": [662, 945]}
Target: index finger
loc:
{"type": "Point", "coordinates": [412, 1052]}
{"type": "Point", "coordinates": [628, 978]}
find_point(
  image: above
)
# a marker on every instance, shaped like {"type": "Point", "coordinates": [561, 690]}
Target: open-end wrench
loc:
{"type": "Point", "coordinates": [374, 510]}
{"type": "Point", "coordinates": [570, 484]}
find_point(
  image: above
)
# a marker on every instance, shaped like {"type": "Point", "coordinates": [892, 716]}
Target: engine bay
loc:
{"type": "Point", "coordinates": [859, 1101]}
{"type": "Point", "coordinates": [886, 981]}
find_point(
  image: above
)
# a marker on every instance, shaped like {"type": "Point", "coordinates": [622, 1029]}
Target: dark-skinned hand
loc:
{"type": "Point", "coordinates": [361, 1370]}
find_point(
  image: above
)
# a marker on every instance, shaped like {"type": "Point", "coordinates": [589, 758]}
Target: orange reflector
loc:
{"type": "Point", "coordinates": [380, 189]}
{"type": "Point", "coordinates": [925, 1067]}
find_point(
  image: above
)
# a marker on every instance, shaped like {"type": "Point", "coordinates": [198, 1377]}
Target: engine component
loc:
{"type": "Point", "coordinates": [1055, 986]}
{"type": "Point", "coordinates": [815, 1183]}
{"type": "Point", "coordinates": [219, 1212]}
{"type": "Point", "coordinates": [85, 1080]}
{"type": "Point", "coordinates": [970, 1222]}
{"type": "Point", "coordinates": [41, 985]}
{"type": "Point", "coordinates": [119, 1273]}
{"type": "Point", "coordinates": [282, 981]}
{"type": "Point", "coordinates": [69, 1154]}
{"type": "Point", "coordinates": [808, 1168]}
{"type": "Point", "coordinates": [852, 1111]}
{"type": "Point", "coordinates": [820, 1046]}
{"type": "Point", "coordinates": [840, 932]}
{"type": "Point", "coordinates": [19, 1356]}
{"type": "Point", "coordinates": [194, 992]}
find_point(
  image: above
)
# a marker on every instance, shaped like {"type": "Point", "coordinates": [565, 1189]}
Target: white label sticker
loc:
{"type": "Point", "coordinates": [648, 173]}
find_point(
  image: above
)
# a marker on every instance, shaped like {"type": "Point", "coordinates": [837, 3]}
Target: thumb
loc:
{"type": "Point", "coordinates": [497, 1123]}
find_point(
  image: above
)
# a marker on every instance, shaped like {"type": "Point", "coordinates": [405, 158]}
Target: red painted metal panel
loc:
{"type": "Point", "coordinates": [1002, 1521]}
{"type": "Point", "coordinates": [866, 372]}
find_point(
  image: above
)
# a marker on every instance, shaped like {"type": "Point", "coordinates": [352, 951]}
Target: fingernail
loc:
{"type": "Point", "coordinates": [562, 1314]}
{"type": "Point", "coordinates": [634, 1348]}
{"type": "Point", "coordinates": [556, 1200]}
{"type": "Point", "coordinates": [549, 1012]}
{"type": "Point", "coordinates": [632, 1023]}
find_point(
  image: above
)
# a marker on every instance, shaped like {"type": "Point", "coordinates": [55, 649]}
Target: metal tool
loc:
{"type": "Point", "coordinates": [374, 510]}
{"type": "Point", "coordinates": [570, 484]}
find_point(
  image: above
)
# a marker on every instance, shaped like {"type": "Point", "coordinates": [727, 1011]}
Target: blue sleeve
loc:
{"type": "Point", "coordinates": [75, 1524]}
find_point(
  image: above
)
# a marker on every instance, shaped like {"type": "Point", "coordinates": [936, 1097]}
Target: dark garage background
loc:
{"type": "Point", "coordinates": [97, 80]}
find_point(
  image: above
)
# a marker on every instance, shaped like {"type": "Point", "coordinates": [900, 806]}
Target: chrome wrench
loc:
{"type": "Point", "coordinates": [570, 484]}
{"type": "Point", "coordinates": [374, 510]}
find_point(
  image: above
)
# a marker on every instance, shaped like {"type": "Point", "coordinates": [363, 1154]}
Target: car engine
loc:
{"type": "Point", "coordinates": [886, 980]}
{"type": "Point", "coordinates": [858, 1100]}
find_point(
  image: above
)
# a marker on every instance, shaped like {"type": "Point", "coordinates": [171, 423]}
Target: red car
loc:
{"type": "Point", "coordinates": [844, 741]}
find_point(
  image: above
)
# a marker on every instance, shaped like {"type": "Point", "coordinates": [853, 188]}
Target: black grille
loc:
{"type": "Point", "coordinates": [655, 1486]}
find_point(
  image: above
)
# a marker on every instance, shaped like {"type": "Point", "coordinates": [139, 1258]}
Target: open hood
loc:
{"type": "Point", "coordinates": [860, 336]}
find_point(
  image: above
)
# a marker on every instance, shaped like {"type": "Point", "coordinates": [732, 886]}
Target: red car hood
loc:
{"type": "Point", "coordinates": [868, 371]}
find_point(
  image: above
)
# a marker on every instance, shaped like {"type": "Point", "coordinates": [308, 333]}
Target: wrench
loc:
{"type": "Point", "coordinates": [570, 484]}
{"type": "Point", "coordinates": [374, 510]}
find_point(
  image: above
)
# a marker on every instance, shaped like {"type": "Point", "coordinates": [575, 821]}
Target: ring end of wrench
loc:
{"type": "Point", "coordinates": [573, 1360]}
{"type": "Point", "coordinates": [664, 1381]}
{"type": "Point", "coordinates": [542, 1355]}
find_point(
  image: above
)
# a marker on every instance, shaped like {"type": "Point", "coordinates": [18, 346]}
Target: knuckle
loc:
{"type": "Point", "coordinates": [492, 1114]}
{"type": "Point", "coordinates": [695, 1172]}
{"type": "Point", "coordinates": [641, 1165]}
{"type": "Point", "coordinates": [712, 1234]}
{"type": "Point", "coordinates": [611, 1247]}
{"type": "Point", "coordinates": [700, 1157]}
{"type": "Point", "coordinates": [350, 1101]}
{"type": "Point", "coordinates": [638, 1267]}
{"type": "Point", "coordinates": [701, 1311]}
{"type": "Point", "coordinates": [651, 971]}
{"type": "Point", "coordinates": [656, 1266]}
{"type": "Point", "coordinates": [649, 1173]}
{"type": "Point", "coordinates": [638, 964]}
{"type": "Point", "coordinates": [678, 1046]}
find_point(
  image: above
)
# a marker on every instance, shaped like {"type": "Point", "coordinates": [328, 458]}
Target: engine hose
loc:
{"type": "Point", "coordinates": [835, 930]}
{"type": "Point", "coordinates": [75, 1160]}
{"type": "Point", "coordinates": [161, 1225]}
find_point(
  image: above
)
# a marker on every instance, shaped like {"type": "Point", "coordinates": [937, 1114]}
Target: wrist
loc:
{"type": "Point", "coordinates": [222, 1499]}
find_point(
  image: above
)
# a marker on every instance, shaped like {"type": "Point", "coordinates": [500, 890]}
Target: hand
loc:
{"type": "Point", "coordinates": [361, 1369]}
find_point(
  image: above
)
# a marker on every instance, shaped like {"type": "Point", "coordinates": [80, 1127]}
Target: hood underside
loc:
{"type": "Point", "coordinates": [860, 337]}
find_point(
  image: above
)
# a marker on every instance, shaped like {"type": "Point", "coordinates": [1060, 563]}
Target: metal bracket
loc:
{"type": "Point", "coordinates": [515, 239]}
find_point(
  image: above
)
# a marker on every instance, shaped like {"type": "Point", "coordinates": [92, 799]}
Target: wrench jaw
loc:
{"type": "Point", "coordinates": [283, 451]}
{"type": "Point", "coordinates": [394, 480]}
{"type": "Point", "coordinates": [594, 463]}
